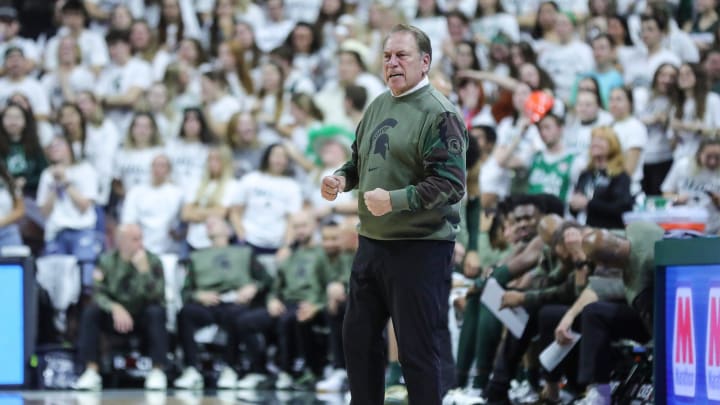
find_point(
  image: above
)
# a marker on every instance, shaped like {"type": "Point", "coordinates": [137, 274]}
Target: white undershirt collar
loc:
{"type": "Point", "coordinates": [424, 82]}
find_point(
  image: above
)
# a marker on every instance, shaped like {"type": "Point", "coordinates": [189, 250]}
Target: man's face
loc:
{"type": "Point", "coordinates": [130, 241]}
{"type": "Point", "coordinates": [14, 64]}
{"type": "Point", "coordinates": [303, 226]}
{"type": "Point", "coordinates": [550, 131]}
{"type": "Point", "coordinates": [403, 64]}
{"type": "Point", "coordinates": [160, 169]}
{"type": "Point", "coordinates": [331, 240]}
{"type": "Point", "coordinates": [650, 33]}
{"type": "Point", "coordinates": [525, 219]}
{"type": "Point", "coordinates": [602, 51]}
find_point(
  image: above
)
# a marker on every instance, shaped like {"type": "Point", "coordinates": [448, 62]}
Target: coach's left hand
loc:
{"type": "Point", "coordinates": [378, 201]}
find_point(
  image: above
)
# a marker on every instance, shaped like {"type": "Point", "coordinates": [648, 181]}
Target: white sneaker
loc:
{"type": "Point", "coordinates": [190, 379]}
{"type": "Point", "coordinates": [90, 380]}
{"type": "Point", "coordinates": [334, 382]}
{"type": "Point", "coordinates": [228, 379]}
{"type": "Point", "coordinates": [251, 381]}
{"type": "Point", "coordinates": [519, 390]}
{"type": "Point", "coordinates": [156, 380]}
{"type": "Point", "coordinates": [449, 398]}
{"type": "Point", "coordinates": [468, 396]}
{"type": "Point", "coordinates": [598, 394]}
{"type": "Point", "coordinates": [284, 381]}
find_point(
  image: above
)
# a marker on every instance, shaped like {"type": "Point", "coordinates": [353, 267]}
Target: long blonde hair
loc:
{"type": "Point", "coordinates": [615, 160]}
{"type": "Point", "coordinates": [226, 175]}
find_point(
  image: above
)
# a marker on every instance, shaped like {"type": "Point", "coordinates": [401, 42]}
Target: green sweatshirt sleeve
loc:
{"type": "Point", "coordinates": [563, 293]}
{"type": "Point", "coordinates": [443, 151]}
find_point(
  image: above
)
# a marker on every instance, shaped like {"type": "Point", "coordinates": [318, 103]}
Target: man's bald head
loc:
{"type": "Point", "coordinates": [129, 239]}
{"type": "Point", "coordinates": [604, 247]}
{"type": "Point", "coordinates": [303, 225]}
{"type": "Point", "coordinates": [547, 227]}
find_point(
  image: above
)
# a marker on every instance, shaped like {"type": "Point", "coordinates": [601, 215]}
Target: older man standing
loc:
{"type": "Point", "coordinates": [408, 164]}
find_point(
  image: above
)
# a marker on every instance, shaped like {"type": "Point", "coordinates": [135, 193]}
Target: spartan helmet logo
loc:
{"type": "Point", "coordinates": [380, 140]}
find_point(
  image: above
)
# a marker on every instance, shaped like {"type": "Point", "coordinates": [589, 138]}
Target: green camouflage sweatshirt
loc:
{"type": "Point", "coordinates": [223, 269]}
{"type": "Point", "coordinates": [414, 147]}
{"type": "Point", "coordinates": [118, 282]}
{"type": "Point", "coordinates": [300, 277]}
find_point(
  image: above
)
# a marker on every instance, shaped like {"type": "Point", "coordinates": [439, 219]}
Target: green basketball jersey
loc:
{"type": "Point", "coordinates": [551, 176]}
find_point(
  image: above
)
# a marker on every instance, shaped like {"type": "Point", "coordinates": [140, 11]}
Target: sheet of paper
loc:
{"type": "Point", "coordinates": [554, 353]}
{"type": "Point", "coordinates": [514, 319]}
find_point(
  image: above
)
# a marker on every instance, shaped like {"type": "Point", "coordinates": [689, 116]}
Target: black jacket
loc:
{"type": "Point", "coordinates": [609, 198]}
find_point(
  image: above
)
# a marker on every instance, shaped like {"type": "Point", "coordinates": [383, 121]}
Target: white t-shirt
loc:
{"type": "Point", "coordinates": [639, 67]}
{"type": "Point", "coordinates": [30, 88]}
{"type": "Point", "coordinates": [222, 109]}
{"type": "Point", "coordinates": [658, 148]}
{"type": "Point", "coordinates": [155, 209]}
{"type": "Point", "coordinates": [436, 29]}
{"type": "Point", "coordinates": [81, 79]}
{"type": "Point", "coordinates": [494, 179]}
{"type": "Point", "coordinates": [273, 34]}
{"type": "Point", "coordinates": [101, 145]}
{"type": "Point", "coordinates": [530, 143]}
{"type": "Point", "coordinates": [311, 190]}
{"type": "Point", "coordinates": [302, 10]}
{"type": "Point", "coordinates": [687, 179]}
{"type": "Point", "coordinates": [577, 136]}
{"type": "Point", "coordinates": [64, 214]}
{"type": "Point", "coordinates": [197, 235]}
{"type": "Point", "coordinates": [490, 26]}
{"type": "Point", "coordinates": [134, 166]}
{"type": "Point", "coordinates": [92, 47]}
{"type": "Point", "coordinates": [688, 142]}
{"type": "Point", "coordinates": [253, 15]}
{"type": "Point", "coordinates": [564, 63]}
{"type": "Point", "coordinates": [117, 80]}
{"type": "Point", "coordinates": [6, 200]}
{"type": "Point", "coordinates": [188, 163]}
{"type": "Point", "coordinates": [268, 200]}
{"type": "Point", "coordinates": [632, 133]}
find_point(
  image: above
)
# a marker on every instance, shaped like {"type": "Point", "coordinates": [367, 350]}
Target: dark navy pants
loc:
{"type": "Point", "coordinates": [408, 281]}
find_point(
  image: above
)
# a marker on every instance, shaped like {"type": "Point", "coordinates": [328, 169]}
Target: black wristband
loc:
{"type": "Point", "coordinates": [582, 263]}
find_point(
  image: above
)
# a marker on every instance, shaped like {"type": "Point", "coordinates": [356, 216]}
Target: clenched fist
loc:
{"type": "Point", "coordinates": [331, 186]}
{"type": "Point", "coordinates": [378, 201]}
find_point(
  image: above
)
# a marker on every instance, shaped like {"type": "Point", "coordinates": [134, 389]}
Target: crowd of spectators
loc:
{"type": "Point", "coordinates": [199, 125]}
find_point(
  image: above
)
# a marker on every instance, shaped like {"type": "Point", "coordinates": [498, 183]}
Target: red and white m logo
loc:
{"type": "Point", "coordinates": [684, 356]}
